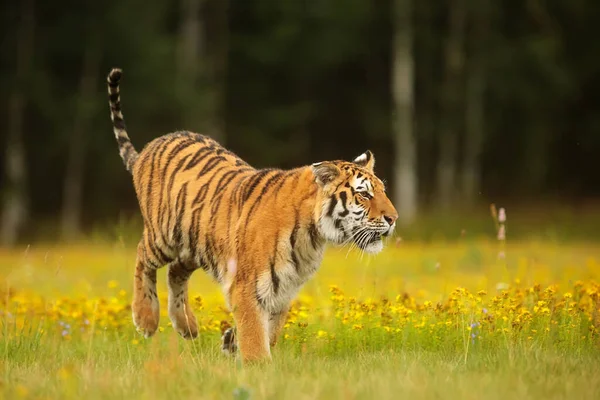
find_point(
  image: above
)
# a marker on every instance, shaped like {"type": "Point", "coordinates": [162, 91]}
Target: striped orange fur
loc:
{"type": "Point", "coordinates": [260, 233]}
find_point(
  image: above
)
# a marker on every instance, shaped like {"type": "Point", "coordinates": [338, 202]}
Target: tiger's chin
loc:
{"type": "Point", "coordinates": [373, 246]}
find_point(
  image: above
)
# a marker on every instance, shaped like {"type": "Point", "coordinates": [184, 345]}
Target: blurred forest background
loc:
{"type": "Point", "coordinates": [463, 102]}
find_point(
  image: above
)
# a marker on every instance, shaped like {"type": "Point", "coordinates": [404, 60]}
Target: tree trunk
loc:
{"type": "Point", "coordinates": [475, 104]}
{"type": "Point", "coordinates": [427, 86]}
{"type": "Point", "coordinates": [15, 202]}
{"type": "Point", "coordinates": [188, 60]}
{"type": "Point", "coordinates": [200, 62]}
{"type": "Point", "coordinates": [451, 117]}
{"type": "Point", "coordinates": [217, 74]}
{"type": "Point", "coordinates": [73, 188]}
{"type": "Point", "coordinates": [190, 42]}
{"type": "Point", "coordinates": [405, 168]}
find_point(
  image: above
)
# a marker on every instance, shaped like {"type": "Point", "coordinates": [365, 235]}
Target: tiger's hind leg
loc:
{"type": "Point", "coordinates": [145, 305]}
{"type": "Point", "coordinates": [180, 312]}
{"type": "Point", "coordinates": [276, 323]}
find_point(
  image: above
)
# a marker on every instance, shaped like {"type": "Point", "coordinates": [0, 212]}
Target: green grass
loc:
{"type": "Point", "coordinates": [428, 354]}
{"type": "Point", "coordinates": [169, 368]}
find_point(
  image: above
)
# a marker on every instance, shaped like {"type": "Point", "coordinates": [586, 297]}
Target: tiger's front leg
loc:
{"type": "Point", "coordinates": [276, 324]}
{"type": "Point", "coordinates": [252, 324]}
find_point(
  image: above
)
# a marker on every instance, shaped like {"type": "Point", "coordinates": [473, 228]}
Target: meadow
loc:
{"type": "Point", "coordinates": [468, 319]}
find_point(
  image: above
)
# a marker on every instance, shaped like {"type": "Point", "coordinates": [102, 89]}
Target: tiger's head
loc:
{"type": "Point", "coordinates": [352, 204]}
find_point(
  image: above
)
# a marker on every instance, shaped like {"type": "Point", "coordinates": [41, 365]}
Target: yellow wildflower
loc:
{"type": "Point", "coordinates": [112, 284]}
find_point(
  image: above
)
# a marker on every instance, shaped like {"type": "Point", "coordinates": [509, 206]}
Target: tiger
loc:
{"type": "Point", "coordinates": [259, 233]}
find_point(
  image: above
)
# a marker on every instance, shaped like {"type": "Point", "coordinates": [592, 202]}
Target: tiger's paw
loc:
{"type": "Point", "coordinates": [145, 321]}
{"type": "Point", "coordinates": [185, 325]}
{"type": "Point", "coordinates": [228, 343]}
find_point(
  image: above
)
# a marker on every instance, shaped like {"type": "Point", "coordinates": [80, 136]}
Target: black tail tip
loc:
{"type": "Point", "coordinates": [115, 76]}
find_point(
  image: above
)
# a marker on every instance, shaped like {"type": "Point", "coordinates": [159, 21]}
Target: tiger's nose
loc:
{"type": "Point", "coordinates": [390, 219]}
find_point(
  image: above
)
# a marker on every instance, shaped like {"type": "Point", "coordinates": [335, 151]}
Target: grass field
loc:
{"type": "Point", "coordinates": [466, 320]}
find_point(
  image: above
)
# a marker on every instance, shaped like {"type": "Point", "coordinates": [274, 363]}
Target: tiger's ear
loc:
{"type": "Point", "coordinates": [366, 160]}
{"type": "Point", "coordinates": [325, 172]}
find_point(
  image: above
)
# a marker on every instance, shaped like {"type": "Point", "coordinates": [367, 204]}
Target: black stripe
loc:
{"type": "Point", "coordinates": [233, 197]}
{"type": "Point", "coordinates": [224, 181]}
{"type": "Point", "coordinates": [211, 257]}
{"type": "Point", "coordinates": [177, 232]}
{"type": "Point", "coordinates": [119, 124]}
{"type": "Point", "coordinates": [254, 182]}
{"type": "Point", "coordinates": [200, 195]}
{"type": "Point", "coordinates": [338, 224]}
{"type": "Point", "coordinates": [314, 235]}
{"type": "Point", "coordinates": [216, 174]}
{"type": "Point", "coordinates": [295, 262]}
{"type": "Point", "coordinates": [274, 277]}
{"type": "Point", "coordinates": [266, 186]}
{"type": "Point", "coordinates": [344, 198]}
{"type": "Point", "coordinates": [239, 189]}
{"type": "Point", "coordinates": [261, 302]}
{"type": "Point", "coordinates": [235, 188]}
{"type": "Point", "coordinates": [178, 149]}
{"type": "Point", "coordinates": [150, 259]}
{"type": "Point", "coordinates": [157, 252]}
{"type": "Point", "coordinates": [213, 176]}
{"type": "Point", "coordinates": [162, 257]}
{"type": "Point", "coordinates": [210, 165]}
{"type": "Point", "coordinates": [293, 235]}
{"type": "Point", "coordinates": [338, 186]}
{"type": "Point", "coordinates": [151, 274]}
{"type": "Point", "coordinates": [175, 171]}
{"type": "Point", "coordinates": [168, 210]}
{"type": "Point", "coordinates": [193, 235]}
{"type": "Point", "coordinates": [293, 238]}
{"type": "Point", "coordinates": [199, 156]}
{"type": "Point", "coordinates": [216, 199]}
{"type": "Point", "coordinates": [202, 263]}
{"type": "Point", "coordinates": [151, 182]}
{"type": "Point", "coordinates": [332, 204]}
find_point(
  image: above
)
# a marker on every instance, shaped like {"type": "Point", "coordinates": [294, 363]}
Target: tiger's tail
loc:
{"type": "Point", "coordinates": [126, 149]}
